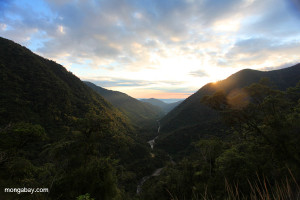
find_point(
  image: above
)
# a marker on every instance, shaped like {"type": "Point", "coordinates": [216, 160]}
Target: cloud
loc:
{"type": "Point", "coordinates": [270, 18]}
{"type": "Point", "coordinates": [101, 29]}
{"type": "Point", "coordinates": [112, 82]}
{"type": "Point", "coordinates": [260, 50]}
{"type": "Point", "coordinates": [294, 6]}
{"type": "Point", "coordinates": [285, 65]}
{"type": "Point", "coordinates": [250, 46]}
{"type": "Point", "coordinates": [169, 40]}
{"type": "Point", "coordinates": [199, 73]}
{"type": "Point", "coordinates": [144, 89]}
{"type": "Point", "coordinates": [121, 82]}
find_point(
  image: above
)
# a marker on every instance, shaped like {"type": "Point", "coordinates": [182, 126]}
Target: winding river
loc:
{"type": "Point", "coordinates": [157, 171]}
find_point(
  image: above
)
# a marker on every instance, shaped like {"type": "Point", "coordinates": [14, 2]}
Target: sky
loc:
{"type": "Point", "coordinates": [156, 48]}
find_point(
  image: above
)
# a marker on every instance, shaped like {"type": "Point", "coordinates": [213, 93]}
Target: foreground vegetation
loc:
{"type": "Point", "coordinates": [57, 133]}
{"type": "Point", "coordinates": [259, 158]}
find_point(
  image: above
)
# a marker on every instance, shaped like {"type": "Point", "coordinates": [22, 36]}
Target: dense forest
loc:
{"type": "Point", "coordinates": [192, 119]}
{"type": "Point", "coordinates": [236, 139]}
{"type": "Point", "coordinates": [140, 114]}
{"type": "Point", "coordinates": [258, 158]}
{"type": "Point", "coordinates": [57, 133]}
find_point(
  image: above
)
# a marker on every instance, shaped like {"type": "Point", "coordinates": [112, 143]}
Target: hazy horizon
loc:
{"type": "Point", "coordinates": [171, 100]}
{"type": "Point", "coordinates": [156, 49]}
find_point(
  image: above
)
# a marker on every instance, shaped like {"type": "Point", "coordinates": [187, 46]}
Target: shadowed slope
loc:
{"type": "Point", "coordinates": [166, 107]}
{"type": "Point", "coordinates": [38, 90]}
{"type": "Point", "coordinates": [192, 118]}
{"type": "Point", "coordinates": [139, 113]}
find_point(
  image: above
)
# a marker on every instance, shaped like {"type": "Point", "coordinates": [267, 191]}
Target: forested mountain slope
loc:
{"type": "Point", "coordinates": [257, 157]}
{"type": "Point", "coordinates": [166, 107]}
{"type": "Point", "coordinates": [37, 90]}
{"type": "Point", "coordinates": [192, 118]}
{"type": "Point", "coordinates": [57, 133]}
{"type": "Point", "coordinates": [139, 113]}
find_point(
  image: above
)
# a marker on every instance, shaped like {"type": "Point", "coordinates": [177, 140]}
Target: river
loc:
{"type": "Point", "coordinates": [145, 178]}
{"type": "Point", "coordinates": [157, 171]}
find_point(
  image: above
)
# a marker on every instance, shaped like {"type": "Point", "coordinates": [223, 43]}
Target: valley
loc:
{"type": "Point", "coordinates": [83, 141]}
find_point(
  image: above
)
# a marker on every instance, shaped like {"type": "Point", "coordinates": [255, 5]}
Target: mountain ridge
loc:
{"type": "Point", "coordinates": [191, 113]}
{"type": "Point", "coordinates": [57, 132]}
{"type": "Point", "coordinates": [36, 89]}
{"type": "Point", "coordinates": [166, 107]}
{"type": "Point", "coordinates": [139, 113]}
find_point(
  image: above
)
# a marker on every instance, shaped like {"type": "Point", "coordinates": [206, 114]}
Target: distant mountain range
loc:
{"type": "Point", "coordinates": [191, 118]}
{"type": "Point", "coordinates": [166, 107]}
{"type": "Point", "coordinates": [140, 113]}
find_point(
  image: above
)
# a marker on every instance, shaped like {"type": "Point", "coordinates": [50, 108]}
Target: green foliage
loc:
{"type": "Point", "coordinates": [39, 91]}
{"type": "Point", "coordinates": [96, 176]}
{"type": "Point", "coordinates": [57, 133]}
{"type": "Point", "coordinates": [85, 197]}
{"type": "Point", "coordinates": [139, 113]}
{"type": "Point", "coordinates": [192, 119]}
{"type": "Point", "coordinates": [259, 158]}
{"type": "Point", "coordinates": [21, 135]}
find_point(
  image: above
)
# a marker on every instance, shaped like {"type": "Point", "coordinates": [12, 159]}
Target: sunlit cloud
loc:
{"type": "Point", "coordinates": [61, 30]}
{"type": "Point", "coordinates": [199, 73]}
{"type": "Point", "coordinates": [231, 24]}
{"type": "Point", "coordinates": [156, 47]}
{"type": "Point", "coordinates": [3, 27]}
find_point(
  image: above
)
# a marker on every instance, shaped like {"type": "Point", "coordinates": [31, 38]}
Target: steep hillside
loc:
{"type": "Point", "coordinates": [191, 118]}
{"type": "Point", "coordinates": [262, 142]}
{"type": "Point", "coordinates": [155, 102]}
{"type": "Point", "coordinates": [38, 90]}
{"type": "Point", "coordinates": [139, 113]}
{"type": "Point", "coordinates": [171, 106]}
{"type": "Point", "coordinates": [166, 107]}
{"type": "Point", "coordinates": [57, 133]}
